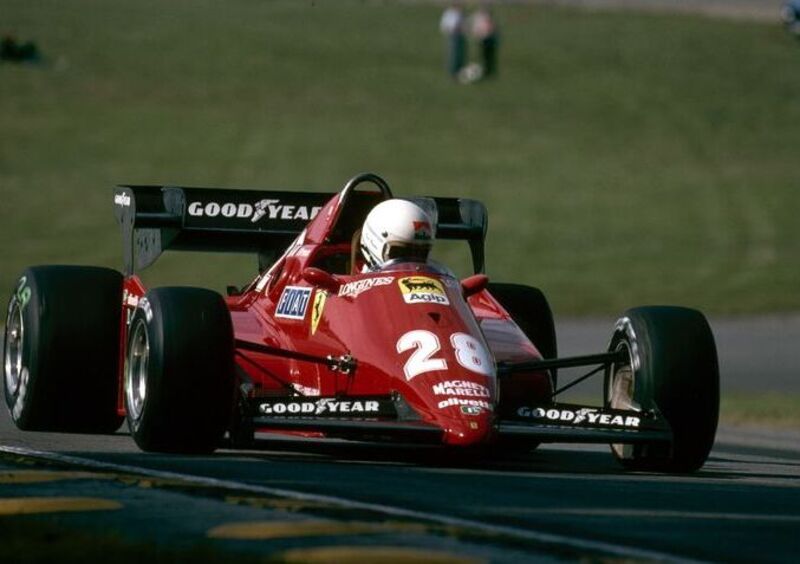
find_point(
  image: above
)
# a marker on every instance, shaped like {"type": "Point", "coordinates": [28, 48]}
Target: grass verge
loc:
{"type": "Point", "coordinates": [765, 410]}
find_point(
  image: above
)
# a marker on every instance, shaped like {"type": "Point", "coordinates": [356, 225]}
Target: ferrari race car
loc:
{"type": "Point", "coordinates": [319, 346]}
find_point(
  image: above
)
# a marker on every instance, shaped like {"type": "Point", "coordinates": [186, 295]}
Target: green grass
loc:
{"type": "Point", "coordinates": [768, 409]}
{"type": "Point", "coordinates": [625, 158]}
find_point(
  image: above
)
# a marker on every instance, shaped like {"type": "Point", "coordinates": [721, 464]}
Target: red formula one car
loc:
{"type": "Point", "coordinates": [316, 345]}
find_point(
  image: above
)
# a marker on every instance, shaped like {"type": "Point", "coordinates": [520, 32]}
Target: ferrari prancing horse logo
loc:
{"type": "Point", "coordinates": [316, 309]}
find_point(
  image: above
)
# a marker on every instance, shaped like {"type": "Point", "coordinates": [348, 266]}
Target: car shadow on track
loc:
{"type": "Point", "coordinates": [347, 452]}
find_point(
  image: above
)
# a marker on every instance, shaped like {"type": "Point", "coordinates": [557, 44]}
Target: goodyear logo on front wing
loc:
{"type": "Point", "coordinates": [293, 302]}
{"type": "Point", "coordinates": [422, 290]}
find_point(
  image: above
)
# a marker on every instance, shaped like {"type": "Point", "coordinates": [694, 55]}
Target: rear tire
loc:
{"type": "Point", "coordinates": [671, 370]}
{"type": "Point", "coordinates": [530, 310]}
{"type": "Point", "coordinates": [179, 371]}
{"type": "Point", "coordinates": [61, 349]}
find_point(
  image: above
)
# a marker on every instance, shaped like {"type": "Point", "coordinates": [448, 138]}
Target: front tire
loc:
{"type": "Point", "coordinates": [672, 371]}
{"type": "Point", "coordinates": [179, 372]}
{"type": "Point", "coordinates": [61, 349]}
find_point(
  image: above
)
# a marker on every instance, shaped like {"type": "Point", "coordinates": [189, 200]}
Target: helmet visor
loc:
{"type": "Point", "coordinates": [409, 251]}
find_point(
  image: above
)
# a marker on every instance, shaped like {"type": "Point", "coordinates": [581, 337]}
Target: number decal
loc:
{"type": "Point", "coordinates": [426, 345]}
{"type": "Point", "coordinates": [469, 353]}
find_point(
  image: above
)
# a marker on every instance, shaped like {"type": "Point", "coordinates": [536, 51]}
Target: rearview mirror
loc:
{"type": "Point", "coordinates": [474, 284]}
{"type": "Point", "coordinates": [321, 279]}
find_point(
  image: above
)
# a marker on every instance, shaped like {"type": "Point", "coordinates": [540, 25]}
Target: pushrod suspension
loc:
{"type": "Point", "coordinates": [346, 364]}
{"type": "Point", "coordinates": [605, 359]}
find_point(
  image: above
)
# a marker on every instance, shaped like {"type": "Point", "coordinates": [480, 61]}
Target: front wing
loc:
{"type": "Point", "coordinates": [390, 417]}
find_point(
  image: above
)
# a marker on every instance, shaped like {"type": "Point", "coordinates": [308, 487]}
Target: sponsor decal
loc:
{"type": "Point", "coordinates": [471, 410]}
{"type": "Point", "coordinates": [322, 406]}
{"type": "Point", "coordinates": [422, 231]}
{"type": "Point", "coordinates": [271, 209]}
{"type": "Point", "coordinates": [422, 290]}
{"type": "Point", "coordinates": [480, 404]}
{"type": "Point", "coordinates": [23, 293]}
{"type": "Point", "coordinates": [305, 390]}
{"type": "Point", "coordinates": [293, 302]}
{"type": "Point", "coordinates": [461, 388]}
{"type": "Point", "coordinates": [579, 416]}
{"type": "Point", "coordinates": [122, 199]}
{"type": "Point", "coordinates": [316, 310]}
{"type": "Point", "coordinates": [358, 287]}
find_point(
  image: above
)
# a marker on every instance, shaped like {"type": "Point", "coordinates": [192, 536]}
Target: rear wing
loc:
{"type": "Point", "coordinates": [462, 219]}
{"type": "Point", "coordinates": [156, 218]}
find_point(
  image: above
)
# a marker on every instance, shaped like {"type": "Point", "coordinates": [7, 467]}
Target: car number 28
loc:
{"type": "Point", "coordinates": [469, 353]}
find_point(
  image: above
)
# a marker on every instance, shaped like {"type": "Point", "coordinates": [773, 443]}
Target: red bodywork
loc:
{"type": "Point", "coordinates": [438, 352]}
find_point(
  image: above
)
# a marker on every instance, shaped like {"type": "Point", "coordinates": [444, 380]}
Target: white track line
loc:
{"type": "Point", "coordinates": [526, 534]}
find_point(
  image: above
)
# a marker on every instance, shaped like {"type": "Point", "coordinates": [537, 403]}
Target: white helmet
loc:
{"type": "Point", "coordinates": [396, 229]}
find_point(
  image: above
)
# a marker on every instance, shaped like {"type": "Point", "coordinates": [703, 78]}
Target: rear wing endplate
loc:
{"type": "Point", "coordinates": [462, 219]}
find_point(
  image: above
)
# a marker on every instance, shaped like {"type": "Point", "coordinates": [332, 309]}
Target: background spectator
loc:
{"type": "Point", "coordinates": [483, 30]}
{"type": "Point", "coordinates": [452, 27]}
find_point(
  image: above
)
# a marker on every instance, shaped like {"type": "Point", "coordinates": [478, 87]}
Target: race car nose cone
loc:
{"type": "Point", "coordinates": [467, 432]}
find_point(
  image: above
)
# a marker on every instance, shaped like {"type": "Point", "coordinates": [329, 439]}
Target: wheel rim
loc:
{"type": "Point", "coordinates": [622, 383]}
{"type": "Point", "coordinates": [136, 370]}
{"type": "Point", "coordinates": [621, 387]}
{"type": "Point", "coordinates": [13, 345]}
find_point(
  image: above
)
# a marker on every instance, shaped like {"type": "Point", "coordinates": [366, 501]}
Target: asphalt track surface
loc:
{"type": "Point", "coordinates": [362, 502]}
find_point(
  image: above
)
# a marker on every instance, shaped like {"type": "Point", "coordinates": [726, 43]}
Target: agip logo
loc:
{"type": "Point", "coordinates": [422, 290]}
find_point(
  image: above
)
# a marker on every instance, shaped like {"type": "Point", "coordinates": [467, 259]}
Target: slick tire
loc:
{"type": "Point", "coordinates": [671, 371]}
{"type": "Point", "coordinates": [61, 349]}
{"type": "Point", "coordinates": [530, 310]}
{"type": "Point", "coordinates": [179, 371]}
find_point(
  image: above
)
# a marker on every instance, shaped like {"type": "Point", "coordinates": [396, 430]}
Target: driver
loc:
{"type": "Point", "coordinates": [396, 229]}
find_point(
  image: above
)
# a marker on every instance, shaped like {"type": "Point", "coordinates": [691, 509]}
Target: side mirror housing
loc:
{"type": "Point", "coordinates": [321, 279]}
{"type": "Point", "coordinates": [474, 284]}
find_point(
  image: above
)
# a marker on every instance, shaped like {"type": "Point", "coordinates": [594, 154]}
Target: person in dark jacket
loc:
{"type": "Point", "coordinates": [484, 30]}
